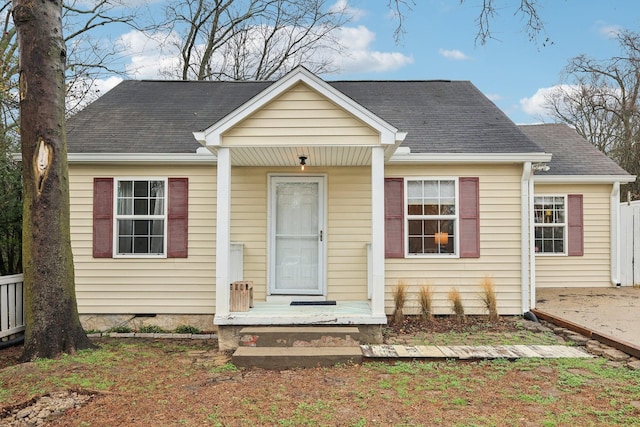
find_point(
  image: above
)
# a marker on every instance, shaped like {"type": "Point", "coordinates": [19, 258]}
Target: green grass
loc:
{"type": "Point", "coordinates": [227, 367]}
{"type": "Point", "coordinates": [476, 336]}
{"type": "Point", "coordinates": [555, 392]}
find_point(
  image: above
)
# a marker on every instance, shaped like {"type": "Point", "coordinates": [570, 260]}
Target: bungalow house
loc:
{"type": "Point", "coordinates": [326, 195]}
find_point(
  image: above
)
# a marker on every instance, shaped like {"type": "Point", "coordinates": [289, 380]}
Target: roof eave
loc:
{"type": "Point", "coordinates": [129, 158]}
{"type": "Point", "coordinates": [442, 158]}
{"type": "Point", "coordinates": [584, 179]}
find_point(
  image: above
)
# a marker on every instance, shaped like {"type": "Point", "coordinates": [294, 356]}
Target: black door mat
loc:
{"type": "Point", "coordinates": [313, 303]}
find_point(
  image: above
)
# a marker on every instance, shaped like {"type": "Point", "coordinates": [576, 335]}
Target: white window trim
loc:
{"type": "Point", "coordinates": [565, 226]}
{"type": "Point", "coordinates": [116, 217]}
{"type": "Point", "coordinates": [456, 217]}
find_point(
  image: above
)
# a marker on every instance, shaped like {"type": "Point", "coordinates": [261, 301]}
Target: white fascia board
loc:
{"type": "Point", "coordinates": [156, 158]}
{"type": "Point", "coordinates": [211, 136]}
{"type": "Point", "coordinates": [583, 179]}
{"type": "Point", "coordinates": [470, 158]}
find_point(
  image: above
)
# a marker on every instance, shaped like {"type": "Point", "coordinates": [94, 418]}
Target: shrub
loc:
{"type": "Point", "coordinates": [121, 329]}
{"type": "Point", "coordinates": [399, 298]}
{"type": "Point", "coordinates": [186, 329]}
{"type": "Point", "coordinates": [151, 329]}
{"type": "Point", "coordinates": [456, 301]}
{"type": "Point", "coordinates": [489, 299]}
{"type": "Point", "coordinates": [426, 303]}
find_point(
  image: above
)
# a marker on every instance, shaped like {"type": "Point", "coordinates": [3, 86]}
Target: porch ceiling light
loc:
{"type": "Point", "coordinates": [303, 162]}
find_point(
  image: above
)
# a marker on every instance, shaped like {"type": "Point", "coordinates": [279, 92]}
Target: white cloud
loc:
{"type": "Point", "coordinates": [104, 85]}
{"type": "Point", "coordinates": [536, 105]}
{"type": "Point", "coordinates": [150, 58]}
{"type": "Point", "coordinates": [494, 96]}
{"type": "Point", "coordinates": [454, 54]}
{"type": "Point", "coordinates": [608, 30]}
{"type": "Point", "coordinates": [343, 6]}
{"type": "Point", "coordinates": [156, 57]}
{"type": "Point", "coordinates": [358, 56]}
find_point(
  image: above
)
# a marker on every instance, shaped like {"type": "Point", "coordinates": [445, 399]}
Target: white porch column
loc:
{"type": "Point", "coordinates": [223, 232]}
{"type": "Point", "coordinates": [377, 231]}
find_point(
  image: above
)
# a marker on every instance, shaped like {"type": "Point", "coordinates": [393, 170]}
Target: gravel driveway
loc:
{"type": "Point", "coordinates": [611, 311]}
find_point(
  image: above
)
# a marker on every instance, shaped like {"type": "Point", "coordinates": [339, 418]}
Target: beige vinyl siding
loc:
{"type": "Point", "coordinates": [145, 285]}
{"type": "Point", "coordinates": [349, 231]}
{"type": "Point", "coordinates": [593, 269]}
{"type": "Point", "coordinates": [348, 198]}
{"type": "Point", "coordinates": [300, 116]}
{"type": "Point", "coordinates": [500, 243]}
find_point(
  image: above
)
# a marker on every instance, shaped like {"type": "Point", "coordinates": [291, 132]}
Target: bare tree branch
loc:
{"type": "Point", "coordinates": [601, 99]}
{"type": "Point", "coordinates": [256, 39]}
{"type": "Point", "coordinates": [528, 10]}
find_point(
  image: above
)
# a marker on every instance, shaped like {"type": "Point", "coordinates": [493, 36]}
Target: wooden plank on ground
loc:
{"type": "Point", "coordinates": [430, 351]}
{"type": "Point", "coordinates": [467, 352]}
{"type": "Point", "coordinates": [378, 351]}
{"type": "Point", "coordinates": [406, 351]}
{"type": "Point", "coordinates": [524, 351]}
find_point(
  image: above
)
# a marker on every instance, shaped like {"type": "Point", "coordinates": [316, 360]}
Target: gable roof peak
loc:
{"type": "Point", "coordinates": [212, 136]}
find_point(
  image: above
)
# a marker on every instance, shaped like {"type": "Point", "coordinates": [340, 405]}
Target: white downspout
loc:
{"type": "Point", "coordinates": [525, 245]}
{"type": "Point", "coordinates": [614, 203]}
{"type": "Point", "coordinates": [532, 239]}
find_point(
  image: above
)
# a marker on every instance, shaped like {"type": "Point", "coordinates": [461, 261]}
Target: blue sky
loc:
{"type": "Point", "coordinates": [511, 70]}
{"type": "Point", "coordinates": [440, 43]}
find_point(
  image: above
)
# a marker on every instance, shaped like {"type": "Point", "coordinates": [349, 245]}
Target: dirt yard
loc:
{"type": "Point", "coordinates": [143, 382]}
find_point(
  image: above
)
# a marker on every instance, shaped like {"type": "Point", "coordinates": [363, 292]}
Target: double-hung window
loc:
{"type": "Point", "coordinates": [550, 222]}
{"type": "Point", "coordinates": [141, 217]}
{"type": "Point", "coordinates": [432, 216]}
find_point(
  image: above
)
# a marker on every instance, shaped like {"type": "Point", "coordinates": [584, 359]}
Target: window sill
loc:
{"type": "Point", "coordinates": [140, 256]}
{"type": "Point", "coordinates": [432, 256]}
{"type": "Point", "coordinates": [550, 254]}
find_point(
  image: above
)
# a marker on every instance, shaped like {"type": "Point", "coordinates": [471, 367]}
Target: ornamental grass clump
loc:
{"type": "Point", "coordinates": [489, 299]}
{"type": "Point", "coordinates": [426, 303]}
{"type": "Point", "coordinates": [399, 298]}
{"type": "Point", "coordinates": [456, 301]}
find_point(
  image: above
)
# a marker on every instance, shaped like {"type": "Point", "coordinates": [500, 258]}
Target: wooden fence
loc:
{"type": "Point", "coordinates": [11, 305]}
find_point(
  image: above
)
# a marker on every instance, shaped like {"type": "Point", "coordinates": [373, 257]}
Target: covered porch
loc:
{"type": "Point", "coordinates": [335, 251]}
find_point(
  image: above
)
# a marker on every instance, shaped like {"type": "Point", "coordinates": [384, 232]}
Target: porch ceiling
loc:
{"type": "Point", "coordinates": [289, 156]}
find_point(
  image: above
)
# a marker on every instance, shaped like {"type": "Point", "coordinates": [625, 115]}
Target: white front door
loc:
{"type": "Point", "coordinates": [296, 236]}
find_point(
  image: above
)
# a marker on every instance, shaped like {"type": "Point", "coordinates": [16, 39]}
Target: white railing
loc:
{"type": "Point", "coordinates": [11, 305]}
{"type": "Point", "coordinates": [236, 272]}
{"type": "Point", "coordinates": [369, 271]}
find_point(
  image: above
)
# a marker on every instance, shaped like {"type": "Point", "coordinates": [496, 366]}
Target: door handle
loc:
{"type": "Point", "coordinates": [321, 235]}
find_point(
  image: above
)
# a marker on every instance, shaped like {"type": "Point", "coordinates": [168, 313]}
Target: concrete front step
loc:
{"type": "Point", "coordinates": [279, 358]}
{"type": "Point", "coordinates": [299, 336]}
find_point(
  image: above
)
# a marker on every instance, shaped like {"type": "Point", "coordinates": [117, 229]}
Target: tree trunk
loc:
{"type": "Point", "coordinates": [52, 323]}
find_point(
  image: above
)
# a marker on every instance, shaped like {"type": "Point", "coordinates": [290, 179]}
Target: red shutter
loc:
{"type": "Point", "coordinates": [102, 217]}
{"type": "Point", "coordinates": [576, 227]}
{"type": "Point", "coordinates": [469, 217]}
{"type": "Point", "coordinates": [178, 218]}
{"type": "Point", "coordinates": [394, 217]}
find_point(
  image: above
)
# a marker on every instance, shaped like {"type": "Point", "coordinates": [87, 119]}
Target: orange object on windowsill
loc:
{"type": "Point", "coordinates": [441, 238]}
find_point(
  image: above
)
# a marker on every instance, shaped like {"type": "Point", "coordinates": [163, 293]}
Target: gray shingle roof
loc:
{"type": "Point", "coordinates": [160, 116]}
{"type": "Point", "coordinates": [572, 154]}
